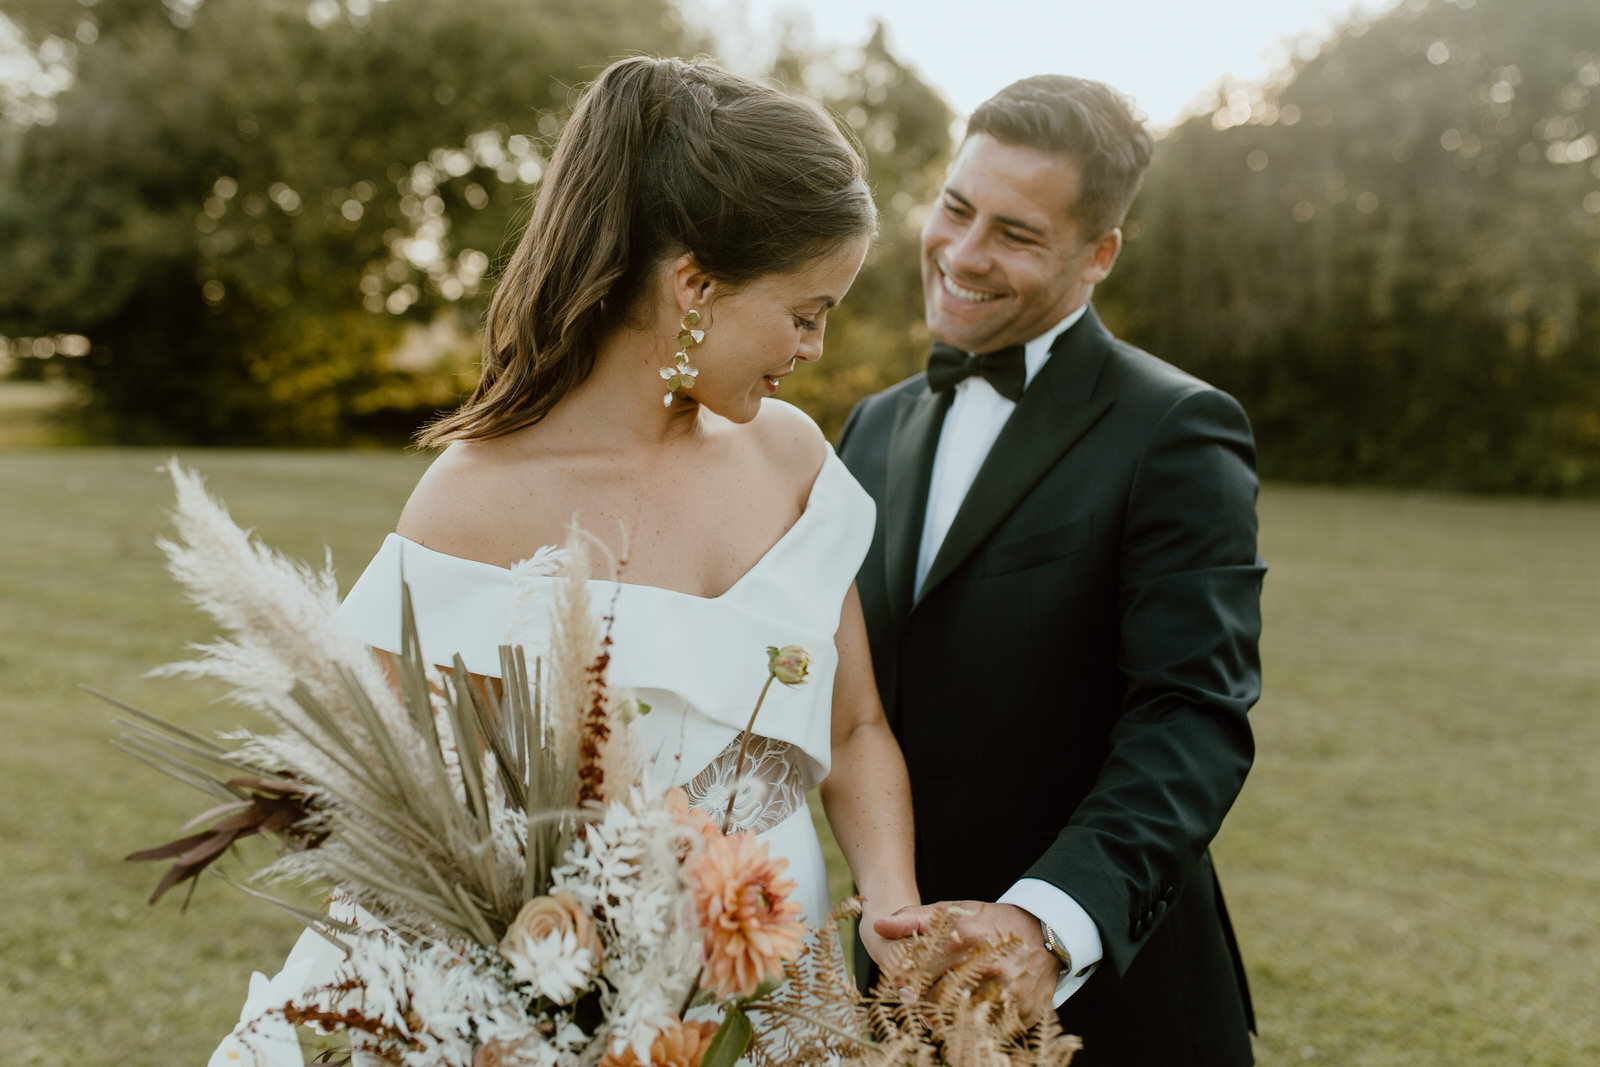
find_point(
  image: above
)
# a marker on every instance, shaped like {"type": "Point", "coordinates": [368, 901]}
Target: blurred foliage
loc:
{"type": "Point", "coordinates": [1393, 257]}
{"type": "Point", "coordinates": [253, 215]}
{"type": "Point", "coordinates": [263, 221]}
{"type": "Point", "coordinates": [877, 336]}
{"type": "Point", "coordinates": [242, 204]}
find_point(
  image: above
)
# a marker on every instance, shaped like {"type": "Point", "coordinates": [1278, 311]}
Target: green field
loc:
{"type": "Point", "coordinates": [1414, 866]}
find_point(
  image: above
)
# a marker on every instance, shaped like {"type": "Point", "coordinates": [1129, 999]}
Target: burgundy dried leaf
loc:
{"type": "Point", "coordinates": [273, 805]}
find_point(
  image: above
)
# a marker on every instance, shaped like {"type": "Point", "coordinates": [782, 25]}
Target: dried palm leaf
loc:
{"type": "Point", "coordinates": [433, 800]}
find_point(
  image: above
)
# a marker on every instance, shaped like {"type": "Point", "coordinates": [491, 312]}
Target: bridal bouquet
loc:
{"type": "Point", "coordinates": [508, 888]}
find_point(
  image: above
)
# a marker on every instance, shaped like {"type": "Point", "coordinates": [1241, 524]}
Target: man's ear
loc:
{"type": "Point", "coordinates": [1106, 249]}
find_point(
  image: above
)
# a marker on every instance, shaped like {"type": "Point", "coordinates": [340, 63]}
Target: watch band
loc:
{"type": "Point", "coordinates": [1055, 947]}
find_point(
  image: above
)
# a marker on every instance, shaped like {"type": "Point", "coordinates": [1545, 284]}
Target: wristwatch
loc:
{"type": "Point", "coordinates": [1057, 949]}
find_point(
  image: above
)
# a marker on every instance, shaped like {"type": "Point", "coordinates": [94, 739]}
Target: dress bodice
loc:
{"type": "Point", "coordinates": [699, 662]}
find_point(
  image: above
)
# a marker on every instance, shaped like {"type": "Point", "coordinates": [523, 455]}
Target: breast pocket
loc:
{"type": "Point", "coordinates": [1036, 549]}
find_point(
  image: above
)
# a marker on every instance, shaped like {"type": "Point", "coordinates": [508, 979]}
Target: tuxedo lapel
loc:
{"type": "Point", "coordinates": [912, 444]}
{"type": "Point", "coordinates": [1056, 411]}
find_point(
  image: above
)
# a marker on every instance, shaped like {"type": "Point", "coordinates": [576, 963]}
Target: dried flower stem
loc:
{"type": "Point", "coordinates": [595, 728]}
{"type": "Point", "coordinates": [815, 1023]}
{"type": "Point", "coordinates": [738, 764]}
{"type": "Point", "coordinates": [688, 998]}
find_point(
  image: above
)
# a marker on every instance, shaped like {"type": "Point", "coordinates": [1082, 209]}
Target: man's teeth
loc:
{"type": "Point", "coordinates": [964, 294]}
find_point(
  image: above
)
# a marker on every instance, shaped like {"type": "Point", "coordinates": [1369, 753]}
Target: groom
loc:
{"type": "Point", "coordinates": [1063, 597]}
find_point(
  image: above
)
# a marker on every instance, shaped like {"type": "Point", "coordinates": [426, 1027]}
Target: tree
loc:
{"type": "Point", "coordinates": [1391, 256]}
{"type": "Point", "coordinates": [242, 202]}
{"type": "Point", "coordinates": [903, 127]}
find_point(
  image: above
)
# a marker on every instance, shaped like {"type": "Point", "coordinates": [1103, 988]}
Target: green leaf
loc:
{"type": "Point", "coordinates": [771, 982]}
{"type": "Point", "coordinates": [730, 1040]}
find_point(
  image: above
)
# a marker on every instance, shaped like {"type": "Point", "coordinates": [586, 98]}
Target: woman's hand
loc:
{"type": "Point", "coordinates": [879, 947]}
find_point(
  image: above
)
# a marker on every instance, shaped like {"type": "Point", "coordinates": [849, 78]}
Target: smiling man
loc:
{"type": "Point", "coordinates": [1063, 598]}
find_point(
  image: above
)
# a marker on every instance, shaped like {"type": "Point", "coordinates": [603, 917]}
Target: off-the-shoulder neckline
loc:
{"type": "Point", "coordinates": [831, 460]}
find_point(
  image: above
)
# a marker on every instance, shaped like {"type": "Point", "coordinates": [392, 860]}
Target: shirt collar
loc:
{"type": "Point", "coordinates": [1037, 351]}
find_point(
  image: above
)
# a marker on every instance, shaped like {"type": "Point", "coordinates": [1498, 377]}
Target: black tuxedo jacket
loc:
{"type": "Point", "coordinates": [1070, 686]}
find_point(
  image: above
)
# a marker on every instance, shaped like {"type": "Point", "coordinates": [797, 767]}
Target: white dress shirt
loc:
{"type": "Point", "coordinates": [974, 420]}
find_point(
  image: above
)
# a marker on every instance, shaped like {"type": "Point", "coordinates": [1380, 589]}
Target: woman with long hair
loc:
{"type": "Point", "coordinates": [691, 237]}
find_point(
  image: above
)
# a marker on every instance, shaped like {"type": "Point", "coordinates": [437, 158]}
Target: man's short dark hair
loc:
{"type": "Point", "coordinates": [1086, 121]}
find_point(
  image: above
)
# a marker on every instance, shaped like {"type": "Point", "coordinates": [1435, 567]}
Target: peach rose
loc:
{"type": "Point", "coordinates": [543, 917]}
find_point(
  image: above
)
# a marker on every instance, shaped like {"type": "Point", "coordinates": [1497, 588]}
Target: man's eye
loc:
{"type": "Point", "coordinates": [805, 324]}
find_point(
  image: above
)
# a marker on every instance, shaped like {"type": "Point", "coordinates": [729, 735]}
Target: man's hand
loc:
{"type": "Point", "coordinates": [1029, 973]}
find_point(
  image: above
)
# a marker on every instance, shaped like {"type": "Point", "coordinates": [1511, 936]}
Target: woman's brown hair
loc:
{"type": "Point", "coordinates": [661, 157]}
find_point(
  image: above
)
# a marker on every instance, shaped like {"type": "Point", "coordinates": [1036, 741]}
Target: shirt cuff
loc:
{"type": "Point", "coordinates": [1072, 925]}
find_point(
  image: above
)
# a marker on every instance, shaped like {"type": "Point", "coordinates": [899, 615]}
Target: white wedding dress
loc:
{"type": "Point", "coordinates": [699, 662]}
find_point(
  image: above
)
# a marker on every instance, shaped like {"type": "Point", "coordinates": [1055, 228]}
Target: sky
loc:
{"type": "Point", "coordinates": [1169, 55]}
{"type": "Point", "coordinates": [1166, 54]}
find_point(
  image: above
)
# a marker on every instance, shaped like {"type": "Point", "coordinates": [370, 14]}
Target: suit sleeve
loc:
{"type": "Point", "coordinates": [850, 424]}
{"type": "Point", "coordinates": [1189, 626]}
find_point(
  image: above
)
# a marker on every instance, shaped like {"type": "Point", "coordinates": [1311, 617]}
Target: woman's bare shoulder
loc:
{"type": "Point", "coordinates": [460, 506]}
{"type": "Point", "coordinates": [791, 439]}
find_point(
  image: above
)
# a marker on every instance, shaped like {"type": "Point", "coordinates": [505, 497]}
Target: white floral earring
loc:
{"type": "Point", "coordinates": [681, 375]}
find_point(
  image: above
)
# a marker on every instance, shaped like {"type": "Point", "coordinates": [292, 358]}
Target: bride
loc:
{"type": "Point", "coordinates": [691, 236]}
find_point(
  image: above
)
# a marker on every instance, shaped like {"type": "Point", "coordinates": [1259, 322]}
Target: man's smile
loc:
{"type": "Point", "coordinates": [971, 296]}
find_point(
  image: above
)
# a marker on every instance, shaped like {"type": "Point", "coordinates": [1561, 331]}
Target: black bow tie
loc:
{"type": "Point", "coordinates": [1005, 369]}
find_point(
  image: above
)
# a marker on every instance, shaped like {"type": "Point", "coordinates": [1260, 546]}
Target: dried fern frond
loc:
{"type": "Point", "coordinates": [925, 1016]}
{"type": "Point", "coordinates": [814, 1015]}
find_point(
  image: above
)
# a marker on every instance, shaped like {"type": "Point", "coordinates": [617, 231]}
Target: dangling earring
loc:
{"type": "Point", "coordinates": [681, 375]}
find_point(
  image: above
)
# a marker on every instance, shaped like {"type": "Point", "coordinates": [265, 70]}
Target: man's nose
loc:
{"type": "Point", "coordinates": [968, 252]}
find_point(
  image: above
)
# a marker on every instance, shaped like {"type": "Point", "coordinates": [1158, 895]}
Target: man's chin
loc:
{"type": "Point", "coordinates": [965, 340]}
{"type": "Point", "coordinates": [960, 331]}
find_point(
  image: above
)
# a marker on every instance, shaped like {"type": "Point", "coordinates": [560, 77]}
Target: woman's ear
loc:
{"type": "Point", "coordinates": [692, 287]}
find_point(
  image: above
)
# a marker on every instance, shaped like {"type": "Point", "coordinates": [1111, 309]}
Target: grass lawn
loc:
{"type": "Point", "coordinates": [1413, 866]}
{"type": "Point", "coordinates": [33, 414]}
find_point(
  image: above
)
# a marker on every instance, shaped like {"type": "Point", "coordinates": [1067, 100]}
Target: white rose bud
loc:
{"type": "Point", "coordinates": [789, 664]}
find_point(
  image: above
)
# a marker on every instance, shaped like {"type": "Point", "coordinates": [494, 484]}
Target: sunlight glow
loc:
{"type": "Point", "coordinates": [1170, 57]}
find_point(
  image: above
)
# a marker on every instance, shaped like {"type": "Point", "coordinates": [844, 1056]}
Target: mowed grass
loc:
{"type": "Point", "coordinates": [33, 414]}
{"type": "Point", "coordinates": [1414, 866]}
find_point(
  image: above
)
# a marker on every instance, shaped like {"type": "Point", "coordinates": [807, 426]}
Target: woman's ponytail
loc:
{"type": "Point", "coordinates": [660, 157]}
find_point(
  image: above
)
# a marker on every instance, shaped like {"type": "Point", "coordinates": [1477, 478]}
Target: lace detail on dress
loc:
{"type": "Point", "coordinates": [771, 787]}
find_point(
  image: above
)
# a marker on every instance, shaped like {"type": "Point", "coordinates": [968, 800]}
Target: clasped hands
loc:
{"type": "Point", "coordinates": [1029, 972]}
